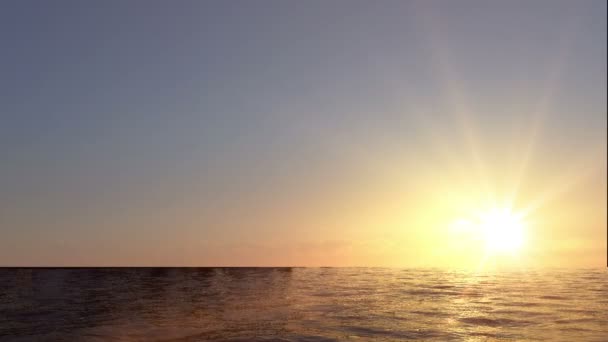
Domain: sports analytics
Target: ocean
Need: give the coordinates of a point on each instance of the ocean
(301, 304)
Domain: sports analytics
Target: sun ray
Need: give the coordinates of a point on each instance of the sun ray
(458, 101)
(541, 113)
(565, 183)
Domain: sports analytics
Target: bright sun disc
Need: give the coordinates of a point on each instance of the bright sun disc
(503, 230)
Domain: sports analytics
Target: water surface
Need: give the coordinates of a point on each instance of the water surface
(301, 304)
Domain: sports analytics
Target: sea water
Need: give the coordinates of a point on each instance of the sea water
(301, 304)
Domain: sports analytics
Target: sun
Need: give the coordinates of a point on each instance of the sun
(491, 234)
(503, 230)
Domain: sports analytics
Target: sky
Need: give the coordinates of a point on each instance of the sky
(300, 133)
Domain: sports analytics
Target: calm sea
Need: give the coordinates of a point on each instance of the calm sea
(301, 304)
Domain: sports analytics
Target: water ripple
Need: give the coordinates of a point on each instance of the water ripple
(300, 304)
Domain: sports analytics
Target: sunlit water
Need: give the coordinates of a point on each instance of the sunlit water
(301, 304)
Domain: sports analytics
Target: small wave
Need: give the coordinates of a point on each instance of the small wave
(422, 292)
(522, 304)
(553, 297)
(579, 311)
(431, 313)
(520, 313)
(490, 322)
(575, 320)
(392, 334)
(491, 335)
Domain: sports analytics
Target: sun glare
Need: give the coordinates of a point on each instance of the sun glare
(503, 230)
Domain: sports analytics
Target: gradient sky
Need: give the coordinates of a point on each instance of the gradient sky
(299, 132)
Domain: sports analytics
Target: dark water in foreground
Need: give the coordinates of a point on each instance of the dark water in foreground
(301, 304)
